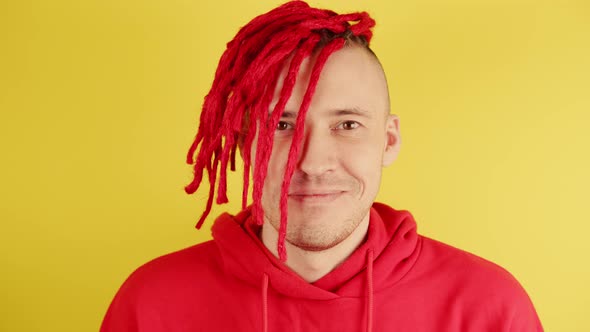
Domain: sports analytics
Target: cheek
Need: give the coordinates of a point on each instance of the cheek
(277, 162)
(364, 163)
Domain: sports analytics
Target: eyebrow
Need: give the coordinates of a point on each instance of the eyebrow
(334, 112)
(351, 111)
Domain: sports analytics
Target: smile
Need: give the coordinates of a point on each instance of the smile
(316, 197)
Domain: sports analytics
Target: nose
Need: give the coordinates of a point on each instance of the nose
(317, 155)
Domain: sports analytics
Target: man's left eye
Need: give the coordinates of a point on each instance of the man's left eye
(348, 125)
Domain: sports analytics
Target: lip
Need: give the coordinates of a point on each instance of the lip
(316, 197)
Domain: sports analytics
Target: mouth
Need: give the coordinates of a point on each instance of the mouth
(316, 197)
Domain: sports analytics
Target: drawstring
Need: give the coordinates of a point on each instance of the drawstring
(370, 290)
(265, 303)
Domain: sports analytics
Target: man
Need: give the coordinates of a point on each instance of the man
(305, 100)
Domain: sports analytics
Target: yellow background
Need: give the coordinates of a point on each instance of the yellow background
(99, 102)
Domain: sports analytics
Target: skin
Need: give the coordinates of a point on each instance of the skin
(349, 136)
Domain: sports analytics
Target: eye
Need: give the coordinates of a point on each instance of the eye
(348, 125)
(283, 125)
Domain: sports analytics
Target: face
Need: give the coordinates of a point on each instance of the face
(348, 137)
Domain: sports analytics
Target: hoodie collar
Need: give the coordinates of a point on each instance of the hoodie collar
(391, 237)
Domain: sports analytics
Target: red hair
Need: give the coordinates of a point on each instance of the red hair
(243, 89)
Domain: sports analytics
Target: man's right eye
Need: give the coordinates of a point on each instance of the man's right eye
(283, 125)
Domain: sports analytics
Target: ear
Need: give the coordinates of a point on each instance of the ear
(393, 140)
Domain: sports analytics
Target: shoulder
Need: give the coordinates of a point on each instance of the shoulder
(475, 284)
(182, 260)
(188, 263)
(164, 290)
(171, 275)
(464, 266)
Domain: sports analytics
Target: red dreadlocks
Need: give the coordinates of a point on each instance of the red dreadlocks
(243, 89)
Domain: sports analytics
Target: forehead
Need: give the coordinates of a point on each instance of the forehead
(351, 78)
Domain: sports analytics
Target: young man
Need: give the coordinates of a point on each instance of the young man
(305, 100)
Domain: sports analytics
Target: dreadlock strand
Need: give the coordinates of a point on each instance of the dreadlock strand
(203, 158)
(247, 156)
(254, 113)
(193, 148)
(265, 141)
(298, 137)
(232, 165)
(364, 25)
(211, 173)
(260, 123)
(225, 155)
(285, 15)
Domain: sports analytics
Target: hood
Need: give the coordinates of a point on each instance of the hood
(390, 250)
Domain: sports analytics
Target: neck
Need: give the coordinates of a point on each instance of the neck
(313, 265)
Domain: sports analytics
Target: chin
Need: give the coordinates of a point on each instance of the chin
(315, 245)
(319, 233)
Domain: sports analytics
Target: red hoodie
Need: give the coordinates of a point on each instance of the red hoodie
(396, 281)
